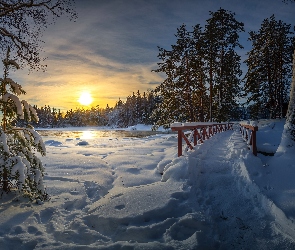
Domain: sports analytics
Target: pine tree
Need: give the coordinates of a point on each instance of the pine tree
(151, 99)
(117, 116)
(221, 37)
(106, 115)
(183, 68)
(269, 68)
(20, 168)
(200, 98)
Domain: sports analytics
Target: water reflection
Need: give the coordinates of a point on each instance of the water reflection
(92, 134)
(87, 135)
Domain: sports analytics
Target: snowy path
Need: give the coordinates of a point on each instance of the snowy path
(241, 215)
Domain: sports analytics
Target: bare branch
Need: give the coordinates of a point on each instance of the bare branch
(22, 23)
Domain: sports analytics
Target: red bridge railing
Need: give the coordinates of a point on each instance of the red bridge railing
(248, 131)
(200, 131)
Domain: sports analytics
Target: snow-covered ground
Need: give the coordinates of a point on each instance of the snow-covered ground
(118, 192)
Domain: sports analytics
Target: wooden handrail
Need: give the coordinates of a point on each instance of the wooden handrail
(201, 131)
(252, 140)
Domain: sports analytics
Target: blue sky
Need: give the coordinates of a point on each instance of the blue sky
(111, 48)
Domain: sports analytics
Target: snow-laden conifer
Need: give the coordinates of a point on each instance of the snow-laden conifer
(20, 167)
(269, 62)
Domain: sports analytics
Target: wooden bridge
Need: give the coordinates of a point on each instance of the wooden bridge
(201, 131)
(248, 130)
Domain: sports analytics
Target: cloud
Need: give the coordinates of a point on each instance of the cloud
(112, 47)
(76, 69)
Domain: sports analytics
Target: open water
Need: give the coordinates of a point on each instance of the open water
(89, 134)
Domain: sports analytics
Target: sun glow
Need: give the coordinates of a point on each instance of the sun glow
(85, 99)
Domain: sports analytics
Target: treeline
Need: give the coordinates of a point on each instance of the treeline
(204, 77)
(136, 109)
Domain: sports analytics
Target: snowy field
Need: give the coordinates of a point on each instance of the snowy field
(116, 192)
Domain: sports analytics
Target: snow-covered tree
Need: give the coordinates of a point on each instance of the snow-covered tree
(201, 62)
(182, 92)
(221, 37)
(269, 68)
(20, 167)
(21, 26)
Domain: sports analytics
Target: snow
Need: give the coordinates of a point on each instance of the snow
(17, 103)
(119, 192)
(251, 123)
(179, 124)
(15, 86)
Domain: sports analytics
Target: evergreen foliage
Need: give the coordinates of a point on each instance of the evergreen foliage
(202, 73)
(22, 23)
(183, 92)
(269, 69)
(221, 38)
(20, 167)
(136, 109)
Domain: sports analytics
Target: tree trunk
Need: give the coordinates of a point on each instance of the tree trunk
(5, 181)
(291, 108)
(211, 89)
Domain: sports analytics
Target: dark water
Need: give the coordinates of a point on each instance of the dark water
(97, 134)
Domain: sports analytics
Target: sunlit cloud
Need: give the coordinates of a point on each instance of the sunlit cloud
(77, 71)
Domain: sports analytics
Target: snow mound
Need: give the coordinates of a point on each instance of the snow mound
(53, 143)
(82, 143)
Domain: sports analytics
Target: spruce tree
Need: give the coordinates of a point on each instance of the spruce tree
(22, 23)
(221, 37)
(20, 168)
(269, 64)
(183, 89)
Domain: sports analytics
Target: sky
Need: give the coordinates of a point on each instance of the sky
(111, 49)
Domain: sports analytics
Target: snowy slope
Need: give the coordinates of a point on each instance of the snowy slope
(116, 192)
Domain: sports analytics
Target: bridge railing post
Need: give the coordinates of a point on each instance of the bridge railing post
(200, 132)
(179, 143)
(251, 139)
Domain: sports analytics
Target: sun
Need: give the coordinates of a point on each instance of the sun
(85, 99)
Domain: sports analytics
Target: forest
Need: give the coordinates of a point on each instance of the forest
(137, 109)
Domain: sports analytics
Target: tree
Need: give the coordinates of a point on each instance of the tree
(22, 23)
(183, 89)
(221, 37)
(197, 58)
(288, 136)
(20, 168)
(269, 68)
